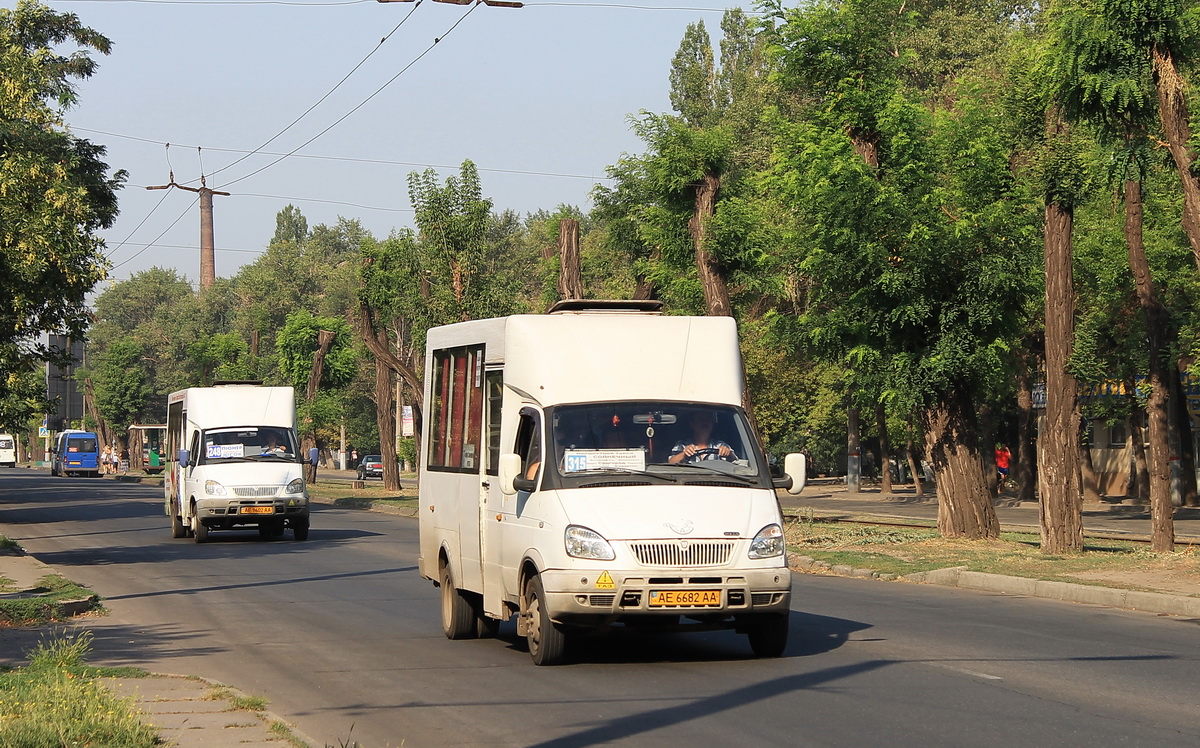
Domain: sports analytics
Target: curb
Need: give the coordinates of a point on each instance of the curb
(959, 576)
(267, 716)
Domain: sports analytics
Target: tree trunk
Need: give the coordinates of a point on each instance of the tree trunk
(885, 451)
(1137, 447)
(570, 274)
(712, 275)
(1162, 513)
(385, 406)
(1023, 471)
(1061, 499)
(324, 341)
(1173, 113)
(853, 452)
(952, 446)
(915, 469)
(1183, 428)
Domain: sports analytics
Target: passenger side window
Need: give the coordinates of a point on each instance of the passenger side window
(529, 442)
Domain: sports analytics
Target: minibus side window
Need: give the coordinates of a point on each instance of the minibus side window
(458, 394)
(494, 382)
(529, 443)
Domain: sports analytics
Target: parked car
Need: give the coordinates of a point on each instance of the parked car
(371, 466)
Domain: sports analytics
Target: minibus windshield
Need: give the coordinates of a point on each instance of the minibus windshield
(681, 442)
(247, 443)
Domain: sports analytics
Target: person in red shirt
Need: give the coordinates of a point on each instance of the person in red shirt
(1003, 460)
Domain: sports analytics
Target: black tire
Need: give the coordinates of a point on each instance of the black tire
(300, 529)
(768, 636)
(458, 617)
(362, 475)
(199, 530)
(178, 529)
(547, 641)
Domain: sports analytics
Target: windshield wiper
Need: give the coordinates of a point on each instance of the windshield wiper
(621, 471)
(722, 473)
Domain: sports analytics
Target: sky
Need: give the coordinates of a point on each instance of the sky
(538, 97)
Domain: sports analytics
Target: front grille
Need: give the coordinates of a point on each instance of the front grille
(678, 553)
(603, 601)
(254, 491)
(764, 598)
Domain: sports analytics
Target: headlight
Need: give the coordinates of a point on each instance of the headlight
(767, 543)
(296, 486)
(584, 543)
(212, 488)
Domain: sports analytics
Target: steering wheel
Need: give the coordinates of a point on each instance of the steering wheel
(699, 453)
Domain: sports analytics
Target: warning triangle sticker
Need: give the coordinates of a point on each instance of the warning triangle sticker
(605, 582)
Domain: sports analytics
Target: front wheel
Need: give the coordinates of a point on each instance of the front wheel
(300, 529)
(199, 530)
(547, 642)
(768, 637)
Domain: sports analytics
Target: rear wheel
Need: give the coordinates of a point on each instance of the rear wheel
(547, 642)
(768, 636)
(199, 530)
(458, 617)
(178, 529)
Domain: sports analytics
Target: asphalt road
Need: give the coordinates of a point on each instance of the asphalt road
(342, 637)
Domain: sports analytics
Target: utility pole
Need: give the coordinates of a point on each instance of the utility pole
(208, 263)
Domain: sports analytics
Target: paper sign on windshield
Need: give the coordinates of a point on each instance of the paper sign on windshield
(577, 460)
(219, 451)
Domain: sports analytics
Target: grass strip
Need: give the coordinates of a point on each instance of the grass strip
(56, 598)
(907, 550)
(58, 700)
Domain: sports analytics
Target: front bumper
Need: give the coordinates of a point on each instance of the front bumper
(587, 594)
(231, 511)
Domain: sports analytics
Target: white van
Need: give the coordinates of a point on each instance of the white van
(234, 461)
(8, 451)
(593, 467)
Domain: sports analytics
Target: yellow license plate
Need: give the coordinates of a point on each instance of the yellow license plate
(258, 510)
(685, 598)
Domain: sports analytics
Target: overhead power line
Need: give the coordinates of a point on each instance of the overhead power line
(377, 91)
(352, 159)
(329, 93)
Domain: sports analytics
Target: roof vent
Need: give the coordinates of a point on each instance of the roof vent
(228, 382)
(593, 306)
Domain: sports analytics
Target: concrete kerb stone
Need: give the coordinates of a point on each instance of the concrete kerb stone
(193, 710)
(959, 576)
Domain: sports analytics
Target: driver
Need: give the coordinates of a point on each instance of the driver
(701, 446)
(272, 446)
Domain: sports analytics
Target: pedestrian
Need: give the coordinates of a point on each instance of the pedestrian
(105, 460)
(1003, 460)
(124, 461)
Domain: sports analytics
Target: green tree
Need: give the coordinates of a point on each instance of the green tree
(887, 194)
(123, 385)
(57, 193)
(1101, 75)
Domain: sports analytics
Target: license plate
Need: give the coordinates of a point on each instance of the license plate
(685, 598)
(258, 510)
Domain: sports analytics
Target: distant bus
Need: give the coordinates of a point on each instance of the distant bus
(76, 453)
(8, 451)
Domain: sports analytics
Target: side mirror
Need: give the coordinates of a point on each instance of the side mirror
(795, 467)
(314, 456)
(510, 472)
(184, 458)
